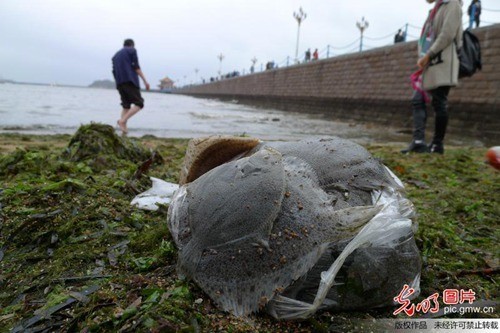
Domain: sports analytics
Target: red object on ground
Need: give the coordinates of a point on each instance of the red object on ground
(493, 157)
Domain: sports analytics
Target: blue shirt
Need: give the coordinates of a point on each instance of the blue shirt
(125, 62)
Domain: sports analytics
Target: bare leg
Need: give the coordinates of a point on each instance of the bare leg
(124, 111)
(123, 126)
(133, 110)
(126, 116)
(121, 123)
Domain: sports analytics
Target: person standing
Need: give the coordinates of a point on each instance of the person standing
(315, 55)
(308, 55)
(474, 12)
(126, 71)
(399, 37)
(438, 71)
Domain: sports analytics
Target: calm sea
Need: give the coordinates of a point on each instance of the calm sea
(34, 109)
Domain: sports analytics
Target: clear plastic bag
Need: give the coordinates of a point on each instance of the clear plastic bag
(343, 238)
(391, 230)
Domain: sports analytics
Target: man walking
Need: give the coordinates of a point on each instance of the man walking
(126, 71)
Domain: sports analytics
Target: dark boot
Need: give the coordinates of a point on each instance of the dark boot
(436, 145)
(440, 104)
(436, 148)
(419, 120)
(416, 146)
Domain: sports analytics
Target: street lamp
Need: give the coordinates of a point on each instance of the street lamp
(220, 57)
(253, 60)
(300, 16)
(362, 26)
(196, 70)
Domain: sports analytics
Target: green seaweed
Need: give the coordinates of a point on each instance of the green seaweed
(66, 223)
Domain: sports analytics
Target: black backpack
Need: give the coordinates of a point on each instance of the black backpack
(469, 55)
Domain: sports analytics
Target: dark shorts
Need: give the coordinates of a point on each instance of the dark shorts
(130, 94)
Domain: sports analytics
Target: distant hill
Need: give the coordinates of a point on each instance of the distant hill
(106, 84)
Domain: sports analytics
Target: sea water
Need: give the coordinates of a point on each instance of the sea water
(38, 109)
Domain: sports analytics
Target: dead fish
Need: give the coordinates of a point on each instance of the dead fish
(204, 154)
(248, 228)
(344, 169)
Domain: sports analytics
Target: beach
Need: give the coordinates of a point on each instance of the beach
(68, 234)
(68, 231)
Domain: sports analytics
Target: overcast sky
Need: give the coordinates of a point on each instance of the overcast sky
(72, 41)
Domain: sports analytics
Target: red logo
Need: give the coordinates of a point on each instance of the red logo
(431, 303)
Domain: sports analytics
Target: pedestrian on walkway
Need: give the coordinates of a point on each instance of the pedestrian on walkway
(399, 37)
(474, 12)
(308, 55)
(315, 55)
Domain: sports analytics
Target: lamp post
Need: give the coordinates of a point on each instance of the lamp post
(300, 16)
(196, 70)
(253, 60)
(220, 57)
(362, 26)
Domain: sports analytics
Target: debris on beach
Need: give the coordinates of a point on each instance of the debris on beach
(258, 230)
(68, 224)
(160, 193)
(100, 146)
(76, 256)
(493, 157)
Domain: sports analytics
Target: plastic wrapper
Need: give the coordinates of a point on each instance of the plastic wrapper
(161, 192)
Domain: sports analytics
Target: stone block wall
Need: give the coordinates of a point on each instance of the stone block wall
(371, 86)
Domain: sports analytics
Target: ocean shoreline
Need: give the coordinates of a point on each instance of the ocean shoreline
(362, 134)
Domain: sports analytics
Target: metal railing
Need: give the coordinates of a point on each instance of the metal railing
(411, 33)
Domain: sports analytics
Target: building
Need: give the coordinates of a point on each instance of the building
(166, 84)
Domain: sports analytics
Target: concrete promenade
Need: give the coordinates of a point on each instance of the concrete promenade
(371, 87)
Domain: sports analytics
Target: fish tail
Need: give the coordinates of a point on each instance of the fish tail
(351, 220)
(189, 259)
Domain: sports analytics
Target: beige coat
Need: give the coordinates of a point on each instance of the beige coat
(444, 65)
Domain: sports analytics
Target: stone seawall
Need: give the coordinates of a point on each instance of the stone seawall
(371, 86)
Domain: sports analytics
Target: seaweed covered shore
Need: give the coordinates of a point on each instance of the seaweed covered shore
(75, 256)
